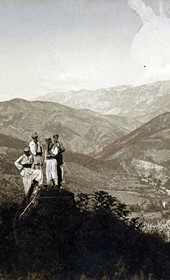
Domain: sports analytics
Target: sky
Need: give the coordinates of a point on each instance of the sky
(49, 46)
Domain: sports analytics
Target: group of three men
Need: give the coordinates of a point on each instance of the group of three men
(31, 162)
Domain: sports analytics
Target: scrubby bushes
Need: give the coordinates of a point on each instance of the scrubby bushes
(90, 237)
(161, 227)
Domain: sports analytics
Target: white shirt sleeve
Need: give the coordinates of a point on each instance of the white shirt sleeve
(54, 150)
(32, 146)
(18, 163)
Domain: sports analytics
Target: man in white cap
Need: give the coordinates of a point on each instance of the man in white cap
(25, 163)
(51, 163)
(36, 151)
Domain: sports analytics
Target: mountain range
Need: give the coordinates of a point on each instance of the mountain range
(134, 168)
(142, 103)
(82, 131)
(123, 154)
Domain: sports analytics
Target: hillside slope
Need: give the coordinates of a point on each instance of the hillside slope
(157, 127)
(81, 130)
(144, 155)
(84, 174)
(90, 237)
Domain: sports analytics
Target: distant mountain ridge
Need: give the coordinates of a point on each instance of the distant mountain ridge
(141, 102)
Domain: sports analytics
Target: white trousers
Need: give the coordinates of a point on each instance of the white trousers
(51, 171)
(39, 167)
(62, 171)
(29, 175)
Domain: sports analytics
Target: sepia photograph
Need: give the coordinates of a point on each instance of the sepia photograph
(84, 139)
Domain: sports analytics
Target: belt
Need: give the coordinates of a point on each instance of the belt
(39, 154)
(27, 165)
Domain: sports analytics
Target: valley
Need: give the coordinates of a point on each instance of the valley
(128, 159)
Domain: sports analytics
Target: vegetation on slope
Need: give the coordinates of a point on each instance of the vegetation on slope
(87, 237)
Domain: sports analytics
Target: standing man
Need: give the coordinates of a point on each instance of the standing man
(25, 163)
(36, 151)
(59, 158)
(51, 164)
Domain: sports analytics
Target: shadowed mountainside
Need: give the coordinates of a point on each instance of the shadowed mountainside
(11, 142)
(144, 155)
(156, 132)
(10, 149)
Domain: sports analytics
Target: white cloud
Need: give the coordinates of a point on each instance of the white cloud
(64, 81)
(154, 74)
(70, 78)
